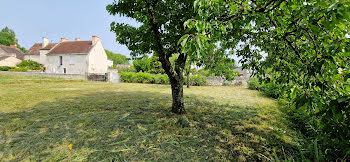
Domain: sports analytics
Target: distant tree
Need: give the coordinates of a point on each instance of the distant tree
(155, 66)
(142, 64)
(8, 37)
(117, 58)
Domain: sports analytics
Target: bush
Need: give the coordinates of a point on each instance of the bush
(142, 64)
(20, 69)
(271, 89)
(6, 68)
(142, 77)
(31, 65)
(196, 80)
(253, 83)
(161, 79)
(126, 77)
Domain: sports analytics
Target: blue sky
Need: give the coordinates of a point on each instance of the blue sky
(33, 19)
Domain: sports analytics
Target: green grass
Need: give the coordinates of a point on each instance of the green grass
(133, 122)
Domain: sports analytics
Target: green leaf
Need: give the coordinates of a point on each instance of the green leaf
(183, 40)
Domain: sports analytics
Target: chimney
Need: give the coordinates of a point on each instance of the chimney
(77, 39)
(45, 42)
(64, 40)
(13, 46)
(95, 39)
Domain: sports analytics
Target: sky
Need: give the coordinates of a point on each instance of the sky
(34, 19)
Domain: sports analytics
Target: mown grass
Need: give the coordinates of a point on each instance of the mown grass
(133, 122)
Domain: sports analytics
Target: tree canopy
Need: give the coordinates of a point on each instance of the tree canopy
(117, 58)
(8, 37)
(304, 44)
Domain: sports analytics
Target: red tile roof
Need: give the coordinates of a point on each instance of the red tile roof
(35, 49)
(8, 51)
(49, 46)
(70, 47)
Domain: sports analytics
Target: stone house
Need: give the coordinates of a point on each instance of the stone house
(10, 56)
(70, 57)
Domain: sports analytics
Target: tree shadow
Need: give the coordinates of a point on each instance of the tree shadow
(136, 126)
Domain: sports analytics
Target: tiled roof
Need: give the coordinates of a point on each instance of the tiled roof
(70, 47)
(10, 51)
(49, 46)
(35, 49)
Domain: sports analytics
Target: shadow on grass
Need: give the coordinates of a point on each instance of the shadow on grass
(136, 126)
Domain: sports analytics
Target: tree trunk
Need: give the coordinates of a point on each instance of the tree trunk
(188, 80)
(178, 106)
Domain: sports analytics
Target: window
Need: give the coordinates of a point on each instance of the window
(64, 70)
(72, 60)
(61, 60)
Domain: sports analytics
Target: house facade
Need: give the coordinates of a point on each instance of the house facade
(70, 57)
(10, 56)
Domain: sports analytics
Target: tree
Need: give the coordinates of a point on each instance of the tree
(304, 44)
(142, 64)
(117, 58)
(8, 37)
(155, 66)
(162, 27)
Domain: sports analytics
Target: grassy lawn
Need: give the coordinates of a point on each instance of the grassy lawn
(133, 122)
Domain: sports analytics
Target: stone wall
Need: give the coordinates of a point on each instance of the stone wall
(217, 81)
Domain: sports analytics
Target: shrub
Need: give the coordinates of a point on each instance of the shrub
(271, 89)
(253, 83)
(126, 77)
(20, 69)
(196, 80)
(161, 79)
(31, 65)
(142, 77)
(142, 64)
(6, 68)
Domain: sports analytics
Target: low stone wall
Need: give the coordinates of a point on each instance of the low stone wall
(36, 73)
(238, 81)
(89, 77)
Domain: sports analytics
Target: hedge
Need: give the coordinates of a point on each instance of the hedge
(6, 68)
(142, 77)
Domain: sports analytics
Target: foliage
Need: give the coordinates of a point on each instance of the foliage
(117, 58)
(20, 69)
(253, 83)
(142, 64)
(8, 37)
(161, 79)
(126, 77)
(155, 66)
(305, 45)
(162, 30)
(30, 65)
(196, 80)
(150, 65)
(142, 77)
(6, 68)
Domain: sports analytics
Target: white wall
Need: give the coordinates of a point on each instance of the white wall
(98, 59)
(10, 61)
(43, 56)
(79, 66)
(35, 58)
